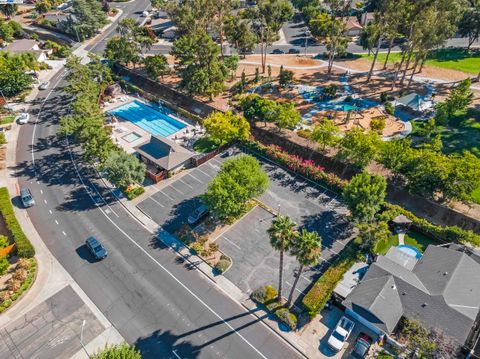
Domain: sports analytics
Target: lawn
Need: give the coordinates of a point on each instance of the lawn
(476, 195)
(7, 119)
(205, 145)
(452, 58)
(412, 238)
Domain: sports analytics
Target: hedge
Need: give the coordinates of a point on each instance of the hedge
(24, 247)
(25, 285)
(318, 295)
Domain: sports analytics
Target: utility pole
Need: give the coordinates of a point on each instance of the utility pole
(81, 338)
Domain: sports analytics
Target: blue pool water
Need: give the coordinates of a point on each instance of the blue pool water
(152, 119)
(414, 252)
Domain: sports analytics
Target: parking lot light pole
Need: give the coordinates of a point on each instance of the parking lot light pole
(81, 338)
(306, 35)
(278, 210)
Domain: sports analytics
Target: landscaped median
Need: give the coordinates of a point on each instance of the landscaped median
(16, 273)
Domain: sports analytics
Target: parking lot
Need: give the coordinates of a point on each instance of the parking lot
(255, 263)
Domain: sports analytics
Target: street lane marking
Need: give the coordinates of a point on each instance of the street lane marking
(173, 199)
(206, 174)
(50, 211)
(56, 222)
(174, 353)
(172, 187)
(41, 191)
(63, 232)
(195, 178)
(165, 269)
(45, 201)
(185, 183)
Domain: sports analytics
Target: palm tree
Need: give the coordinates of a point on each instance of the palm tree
(281, 235)
(306, 247)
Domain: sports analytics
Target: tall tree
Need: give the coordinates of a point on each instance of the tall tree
(364, 195)
(460, 97)
(156, 66)
(197, 63)
(306, 247)
(8, 9)
(123, 169)
(325, 133)
(87, 17)
(239, 33)
(469, 25)
(281, 233)
(359, 148)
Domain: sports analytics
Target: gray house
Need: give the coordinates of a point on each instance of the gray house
(441, 290)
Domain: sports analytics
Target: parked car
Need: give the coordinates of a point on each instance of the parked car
(362, 346)
(94, 246)
(44, 85)
(145, 13)
(293, 51)
(340, 334)
(200, 212)
(26, 197)
(23, 118)
(278, 51)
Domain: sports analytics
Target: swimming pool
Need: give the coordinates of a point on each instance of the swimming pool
(152, 119)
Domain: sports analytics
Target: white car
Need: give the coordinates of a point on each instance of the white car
(44, 85)
(340, 334)
(23, 118)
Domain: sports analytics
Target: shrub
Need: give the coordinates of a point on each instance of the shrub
(23, 263)
(318, 295)
(4, 242)
(24, 247)
(135, 192)
(3, 140)
(378, 124)
(4, 265)
(4, 296)
(264, 295)
(222, 265)
(198, 247)
(383, 97)
(389, 108)
(305, 133)
(13, 285)
(273, 306)
(287, 318)
(20, 274)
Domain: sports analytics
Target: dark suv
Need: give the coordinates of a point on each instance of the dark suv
(94, 246)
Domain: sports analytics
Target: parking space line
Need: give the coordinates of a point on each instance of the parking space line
(185, 183)
(195, 178)
(177, 190)
(166, 195)
(290, 285)
(229, 241)
(205, 173)
(154, 200)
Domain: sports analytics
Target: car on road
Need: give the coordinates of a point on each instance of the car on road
(340, 334)
(293, 51)
(94, 246)
(23, 118)
(44, 85)
(278, 52)
(26, 197)
(362, 346)
(199, 212)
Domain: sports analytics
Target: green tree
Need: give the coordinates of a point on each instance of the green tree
(256, 108)
(364, 195)
(239, 180)
(231, 64)
(469, 25)
(325, 133)
(238, 32)
(463, 177)
(395, 154)
(8, 9)
(331, 31)
(4, 264)
(43, 6)
(158, 4)
(13, 79)
(121, 50)
(198, 64)
(225, 127)
(287, 116)
(359, 148)
(306, 247)
(89, 18)
(156, 66)
(3, 140)
(119, 351)
(460, 97)
(371, 234)
(123, 169)
(281, 233)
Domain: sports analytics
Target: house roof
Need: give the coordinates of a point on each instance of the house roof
(401, 219)
(352, 23)
(441, 291)
(164, 152)
(351, 279)
(22, 45)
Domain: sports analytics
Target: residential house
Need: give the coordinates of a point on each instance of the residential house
(162, 155)
(441, 290)
(367, 18)
(26, 45)
(352, 26)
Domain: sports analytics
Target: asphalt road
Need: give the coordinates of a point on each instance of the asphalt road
(150, 295)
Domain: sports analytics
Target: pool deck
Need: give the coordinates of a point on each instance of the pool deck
(122, 128)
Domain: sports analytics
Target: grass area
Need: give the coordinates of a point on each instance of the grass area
(454, 58)
(7, 119)
(205, 145)
(382, 247)
(461, 134)
(412, 238)
(476, 195)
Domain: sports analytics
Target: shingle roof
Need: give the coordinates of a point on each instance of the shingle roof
(21, 45)
(164, 152)
(442, 291)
